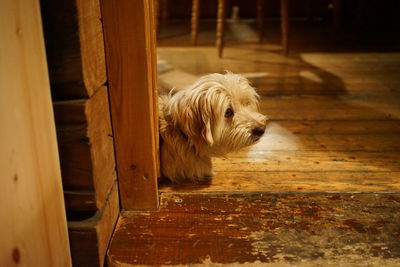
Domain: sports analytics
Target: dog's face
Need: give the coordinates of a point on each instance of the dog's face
(219, 113)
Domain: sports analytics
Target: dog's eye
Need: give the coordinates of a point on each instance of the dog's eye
(228, 113)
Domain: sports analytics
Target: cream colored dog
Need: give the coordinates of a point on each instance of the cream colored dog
(215, 115)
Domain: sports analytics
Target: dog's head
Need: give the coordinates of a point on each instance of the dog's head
(218, 113)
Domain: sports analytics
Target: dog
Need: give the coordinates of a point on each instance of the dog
(217, 114)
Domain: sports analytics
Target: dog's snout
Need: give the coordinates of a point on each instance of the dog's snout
(259, 131)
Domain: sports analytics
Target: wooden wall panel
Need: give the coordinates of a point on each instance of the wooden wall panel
(86, 146)
(33, 224)
(90, 238)
(130, 48)
(75, 47)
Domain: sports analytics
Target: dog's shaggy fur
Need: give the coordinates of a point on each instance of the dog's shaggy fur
(216, 115)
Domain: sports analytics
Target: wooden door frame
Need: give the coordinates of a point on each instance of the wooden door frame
(130, 43)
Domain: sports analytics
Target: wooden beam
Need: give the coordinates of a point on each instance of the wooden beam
(130, 50)
(33, 224)
(90, 237)
(75, 47)
(86, 146)
(76, 58)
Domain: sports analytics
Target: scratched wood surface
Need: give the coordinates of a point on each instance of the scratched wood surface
(255, 228)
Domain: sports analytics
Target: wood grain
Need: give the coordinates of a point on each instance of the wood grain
(259, 229)
(33, 223)
(86, 146)
(90, 237)
(130, 39)
(342, 127)
(293, 181)
(311, 161)
(75, 47)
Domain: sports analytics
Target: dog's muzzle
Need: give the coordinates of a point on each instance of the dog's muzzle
(259, 131)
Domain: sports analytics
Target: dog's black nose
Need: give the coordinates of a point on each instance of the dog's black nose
(259, 131)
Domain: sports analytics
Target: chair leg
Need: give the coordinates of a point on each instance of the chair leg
(220, 27)
(195, 21)
(285, 25)
(260, 20)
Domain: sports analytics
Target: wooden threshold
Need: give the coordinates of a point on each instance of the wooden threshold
(261, 229)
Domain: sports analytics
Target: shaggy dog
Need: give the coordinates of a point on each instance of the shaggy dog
(216, 115)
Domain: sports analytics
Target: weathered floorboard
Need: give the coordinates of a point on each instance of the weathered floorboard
(293, 181)
(259, 228)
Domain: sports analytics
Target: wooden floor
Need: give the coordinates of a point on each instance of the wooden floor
(321, 187)
(335, 116)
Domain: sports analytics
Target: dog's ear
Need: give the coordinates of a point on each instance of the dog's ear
(206, 131)
(199, 122)
(190, 115)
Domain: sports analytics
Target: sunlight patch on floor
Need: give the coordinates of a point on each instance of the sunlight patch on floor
(276, 138)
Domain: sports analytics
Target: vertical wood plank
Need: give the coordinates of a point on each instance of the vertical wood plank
(151, 27)
(130, 50)
(33, 224)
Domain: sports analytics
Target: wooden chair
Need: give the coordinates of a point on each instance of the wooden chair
(220, 32)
